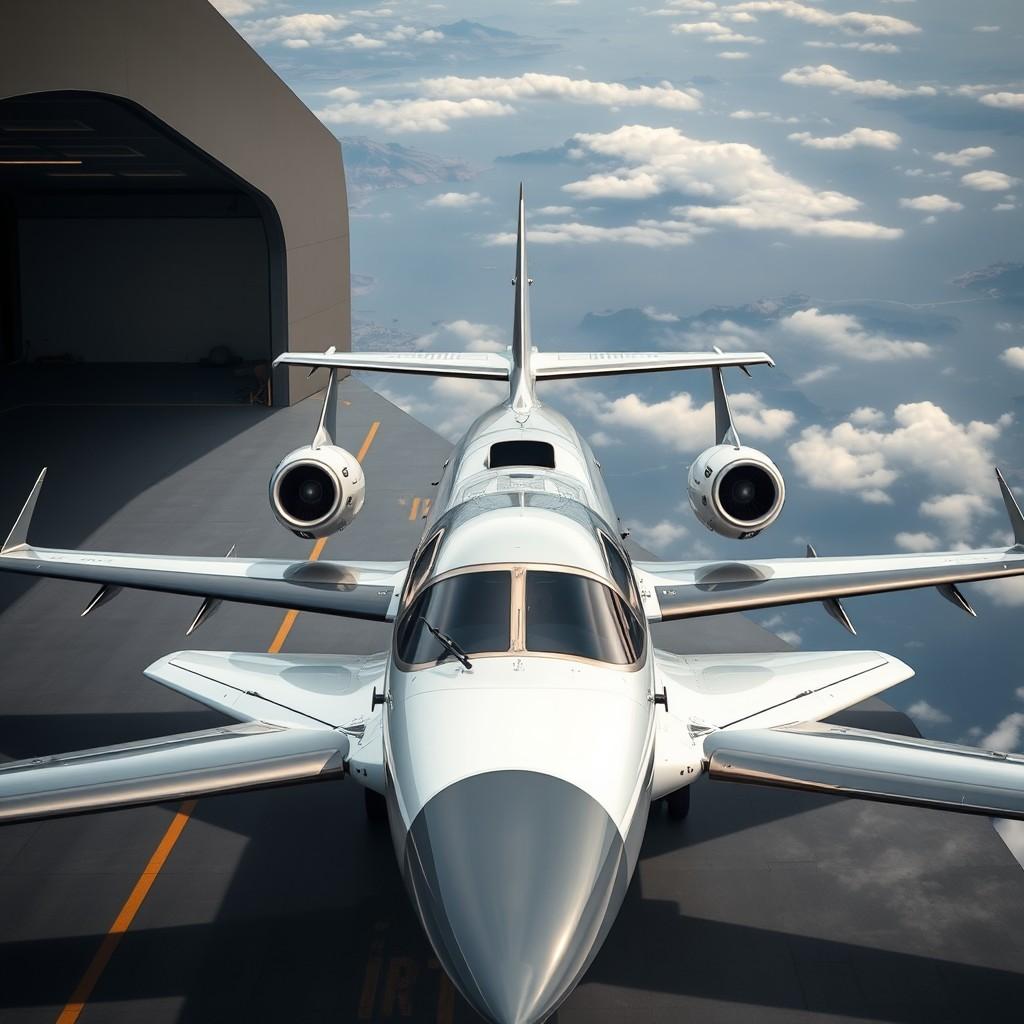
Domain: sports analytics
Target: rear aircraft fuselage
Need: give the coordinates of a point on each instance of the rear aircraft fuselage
(518, 789)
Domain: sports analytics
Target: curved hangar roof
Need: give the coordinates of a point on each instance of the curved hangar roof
(219, 113)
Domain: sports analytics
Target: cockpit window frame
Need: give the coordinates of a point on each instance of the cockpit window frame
(414, 581)
(629, 591)
(519, 572)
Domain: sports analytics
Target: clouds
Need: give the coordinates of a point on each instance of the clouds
(558, 87)
(921, 541)
(873, 138)
(740, 183)
(659, 537)
(1004, 100)
(1007, 734)
(683, 425)
(458, 200)
(825, 76)
(305, 29)
(955, 513)
(925, 713)
(413, 115)
(451, 98)
(843, 334)
(989, 181)
(1014, 357)
(931, 204)
(853, 45)
(714, 32)
(850, 21)
(865, 461)
(965, 157)
(650, 234)
(463, 335)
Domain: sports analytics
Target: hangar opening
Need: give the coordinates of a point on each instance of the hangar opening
(131, 261)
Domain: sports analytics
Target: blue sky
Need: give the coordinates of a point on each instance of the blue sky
(839, 183)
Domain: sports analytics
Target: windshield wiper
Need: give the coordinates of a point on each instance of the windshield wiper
(448, 644)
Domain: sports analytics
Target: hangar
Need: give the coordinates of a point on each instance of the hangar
(166, 204)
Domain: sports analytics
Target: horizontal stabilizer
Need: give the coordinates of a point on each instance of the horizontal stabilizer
(562, 365)
(239, 757)
(307, 690)
(542, 365)
(871, 765)
(778, 688)
(482, 365)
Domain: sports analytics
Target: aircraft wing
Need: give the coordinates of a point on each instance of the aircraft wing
(361, 590)
(250, 756)
(676, 590)
(874, 766)
(304, 718)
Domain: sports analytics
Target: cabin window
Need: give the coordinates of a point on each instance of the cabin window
(522, 453)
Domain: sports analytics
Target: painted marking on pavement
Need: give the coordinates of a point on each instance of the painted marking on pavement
(84, 989)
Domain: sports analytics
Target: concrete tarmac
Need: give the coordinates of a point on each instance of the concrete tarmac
(287, 905)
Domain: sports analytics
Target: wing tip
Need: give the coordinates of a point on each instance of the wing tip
(18, 537)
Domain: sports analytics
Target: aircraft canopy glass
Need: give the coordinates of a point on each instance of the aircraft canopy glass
(474, 608)
(539, 611)
(576, 615)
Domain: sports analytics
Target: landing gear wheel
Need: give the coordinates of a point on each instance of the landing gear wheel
(376, 805)
(678, 804)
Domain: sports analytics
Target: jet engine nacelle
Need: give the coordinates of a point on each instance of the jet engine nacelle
(315, 492)
(735, 491)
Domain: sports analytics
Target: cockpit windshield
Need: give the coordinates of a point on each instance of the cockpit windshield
(474, 609)
(541, 611)
(576, 615)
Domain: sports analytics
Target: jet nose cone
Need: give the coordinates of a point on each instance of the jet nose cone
(517, 877)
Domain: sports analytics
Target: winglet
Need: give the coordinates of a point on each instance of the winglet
(1013, 510)
(18, 537)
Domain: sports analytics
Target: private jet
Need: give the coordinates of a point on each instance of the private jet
(521, 722)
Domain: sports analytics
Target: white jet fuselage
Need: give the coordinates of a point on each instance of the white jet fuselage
(518, 790)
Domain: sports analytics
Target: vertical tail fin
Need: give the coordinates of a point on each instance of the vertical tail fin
(522, 381)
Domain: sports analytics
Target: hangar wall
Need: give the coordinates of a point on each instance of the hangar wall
(183, 63)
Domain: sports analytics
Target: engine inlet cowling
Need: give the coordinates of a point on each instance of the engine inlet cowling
(735, 491)
(315, 492)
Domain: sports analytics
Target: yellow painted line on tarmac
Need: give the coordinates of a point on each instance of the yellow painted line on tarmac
(84, 989)
(419, 509)
(123, 921)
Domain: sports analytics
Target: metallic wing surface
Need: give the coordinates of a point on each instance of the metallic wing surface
(251, 756)
(839, 761)
(303, 718)
(677, 590)
(359, 590)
